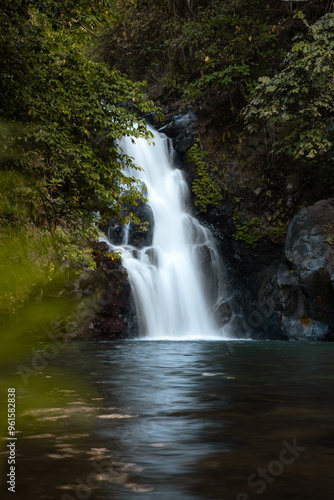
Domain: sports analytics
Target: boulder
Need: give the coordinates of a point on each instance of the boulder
(137, 237)
(182, 128)
(305, 280)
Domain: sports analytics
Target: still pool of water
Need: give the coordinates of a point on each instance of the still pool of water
(191, 420)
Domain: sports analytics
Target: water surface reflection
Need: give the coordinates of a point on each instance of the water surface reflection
(185, 421)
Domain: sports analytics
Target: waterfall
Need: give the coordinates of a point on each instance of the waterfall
(176, 280)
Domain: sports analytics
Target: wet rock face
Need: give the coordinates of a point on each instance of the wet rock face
(284, 293)
(101, 301)
(115, 315)
(107, 314)
(136, 237)
(139, 238)
(224, 313)
(305, 281)
(182, 128)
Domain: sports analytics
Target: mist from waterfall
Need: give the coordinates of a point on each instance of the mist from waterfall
(176, 282)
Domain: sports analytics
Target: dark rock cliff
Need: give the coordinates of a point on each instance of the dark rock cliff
(282, 291)
(304, 282)
(275, 291)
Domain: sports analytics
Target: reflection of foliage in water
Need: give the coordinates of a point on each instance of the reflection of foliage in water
(61, 115)
(30, 305)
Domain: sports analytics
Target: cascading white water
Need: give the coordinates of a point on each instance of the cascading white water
(175, 282)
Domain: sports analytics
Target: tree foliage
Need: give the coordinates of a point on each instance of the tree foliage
(62, 113)
(221, 49)
(61, 117)
(298, 102)
(207, 192)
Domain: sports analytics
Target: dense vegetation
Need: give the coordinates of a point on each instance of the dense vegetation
(259, 74)
(60, 117)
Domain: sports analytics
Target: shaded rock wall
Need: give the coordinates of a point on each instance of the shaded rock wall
(305, 280)
(273, 292)
(103, 301)
(282, 292)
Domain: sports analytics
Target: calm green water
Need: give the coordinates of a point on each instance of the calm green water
(180, 421)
